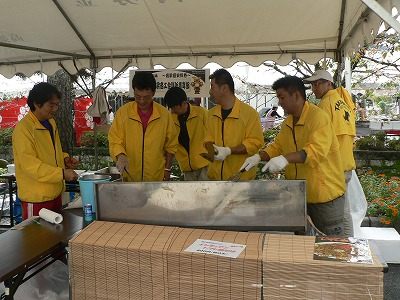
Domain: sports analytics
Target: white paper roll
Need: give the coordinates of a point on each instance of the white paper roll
(50, 216)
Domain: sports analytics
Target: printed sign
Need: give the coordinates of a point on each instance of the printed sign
(216, 248)
(194, 82)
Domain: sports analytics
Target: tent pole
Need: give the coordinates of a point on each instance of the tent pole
(347, 74)
(94, 65)
(383, 13)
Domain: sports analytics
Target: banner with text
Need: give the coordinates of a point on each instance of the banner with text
(194, 82)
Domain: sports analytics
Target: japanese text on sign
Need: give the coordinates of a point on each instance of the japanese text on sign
(216, 248)
(194, 82)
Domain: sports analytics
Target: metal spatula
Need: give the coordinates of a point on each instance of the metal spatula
(210, 152)
(236, 176)
(128, 174)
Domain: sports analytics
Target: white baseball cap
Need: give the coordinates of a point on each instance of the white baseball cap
(320, 74)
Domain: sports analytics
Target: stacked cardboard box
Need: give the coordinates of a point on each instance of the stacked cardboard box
(119, 261)
(291, 272)
(130, 261)
(204, 276)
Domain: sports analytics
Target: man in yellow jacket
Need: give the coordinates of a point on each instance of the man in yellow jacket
(233, 128)
(190, 123)
(308, 149)
(41, 166)
(340, 109)
(142, 137)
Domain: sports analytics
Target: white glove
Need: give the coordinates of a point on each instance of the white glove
(221, 152)
(275, 164)
(251, 162)
(122, 163)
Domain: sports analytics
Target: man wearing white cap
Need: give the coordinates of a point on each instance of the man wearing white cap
(340, 110)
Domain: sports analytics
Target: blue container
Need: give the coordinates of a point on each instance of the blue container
(86, 186)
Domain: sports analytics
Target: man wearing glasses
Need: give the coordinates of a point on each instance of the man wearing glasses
(344, 124)
(142, 136)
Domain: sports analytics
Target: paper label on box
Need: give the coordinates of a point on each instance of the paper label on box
(216, 248)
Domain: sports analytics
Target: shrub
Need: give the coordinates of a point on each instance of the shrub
(87, 139)
(6, 136)
(379, 141)
(371, 142)
(394, 145)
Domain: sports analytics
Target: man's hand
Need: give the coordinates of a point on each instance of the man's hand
(276, 164)
(70, 175)
(70, 162)
(251, 162)
(221, 152)
(122, 163)
(167, 175)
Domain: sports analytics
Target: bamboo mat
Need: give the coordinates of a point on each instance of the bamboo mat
(131, 261)
(204, 276)
(290, 272)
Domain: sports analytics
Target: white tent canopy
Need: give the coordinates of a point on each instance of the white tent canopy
(45, 35)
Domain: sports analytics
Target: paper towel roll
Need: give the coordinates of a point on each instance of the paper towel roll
(50, 216)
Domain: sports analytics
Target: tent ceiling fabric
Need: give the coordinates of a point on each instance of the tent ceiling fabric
(38, 35)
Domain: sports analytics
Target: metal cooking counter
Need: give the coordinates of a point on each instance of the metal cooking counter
(257, 205)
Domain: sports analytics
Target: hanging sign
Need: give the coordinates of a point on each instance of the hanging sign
(194, 82)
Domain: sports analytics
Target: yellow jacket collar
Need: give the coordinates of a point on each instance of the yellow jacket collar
(135, 115)
(192, 114)
(235, 110)
(37, 123)
(303, 115)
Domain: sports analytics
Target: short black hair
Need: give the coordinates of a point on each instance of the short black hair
(291, 84)
(221, 77)
(143, 80)
(175, 96)
(41, 93)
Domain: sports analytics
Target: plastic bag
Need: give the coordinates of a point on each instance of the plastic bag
(357, 201)
(49, 284)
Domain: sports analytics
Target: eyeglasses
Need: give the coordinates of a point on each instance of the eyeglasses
(318, 83)
(144, 98)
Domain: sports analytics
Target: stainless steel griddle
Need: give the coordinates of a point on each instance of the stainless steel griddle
(231, 205)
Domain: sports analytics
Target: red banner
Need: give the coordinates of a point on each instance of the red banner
(82, 121)
(13, 111)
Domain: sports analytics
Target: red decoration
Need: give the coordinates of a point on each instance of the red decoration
(82, 121)
(13, 111)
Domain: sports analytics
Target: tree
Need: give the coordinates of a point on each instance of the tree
(376, 63)
(64, 116)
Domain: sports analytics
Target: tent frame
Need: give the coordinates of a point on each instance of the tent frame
(372, 6)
